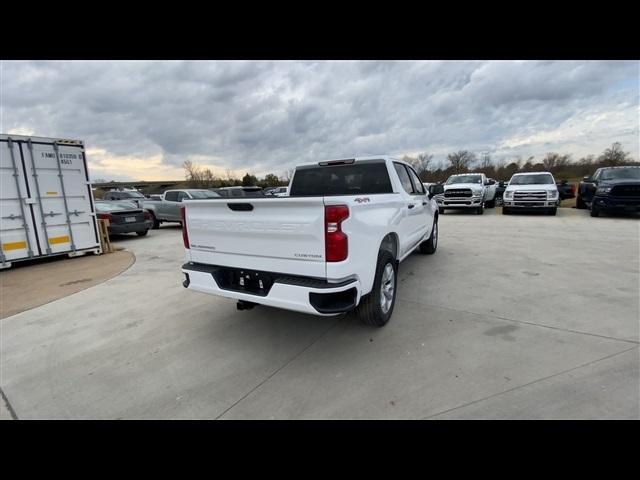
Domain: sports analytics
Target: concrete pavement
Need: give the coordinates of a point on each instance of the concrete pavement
(513, 317)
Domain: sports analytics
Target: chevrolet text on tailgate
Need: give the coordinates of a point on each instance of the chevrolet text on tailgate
(331, 246)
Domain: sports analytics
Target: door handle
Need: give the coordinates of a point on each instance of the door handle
(424, 203)
(411, 205)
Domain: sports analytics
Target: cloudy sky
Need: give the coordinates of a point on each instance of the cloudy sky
(141, 120)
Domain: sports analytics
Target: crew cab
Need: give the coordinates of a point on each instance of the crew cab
(468, 191)
(331, 246)
(167, 209)
(531, 191)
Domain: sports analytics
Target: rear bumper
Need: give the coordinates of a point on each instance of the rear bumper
(300, 294)
(130, 227)
(619, 204)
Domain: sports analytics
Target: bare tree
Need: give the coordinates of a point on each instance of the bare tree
(614, 155)
(461, 160)
(554, 161)
(193, 173)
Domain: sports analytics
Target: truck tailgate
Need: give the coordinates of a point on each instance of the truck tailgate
(283, 235)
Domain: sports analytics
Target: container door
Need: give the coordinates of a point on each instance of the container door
(18, 233)
(63, 203)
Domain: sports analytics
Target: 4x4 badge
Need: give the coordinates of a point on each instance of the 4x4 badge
(362, 200)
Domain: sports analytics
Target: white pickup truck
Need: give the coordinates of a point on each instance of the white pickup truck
(468, 191)
(331, 246)
(531, 191)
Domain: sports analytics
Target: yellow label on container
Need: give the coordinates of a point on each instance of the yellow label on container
(52, 193)
(14, 246)
(63, 239)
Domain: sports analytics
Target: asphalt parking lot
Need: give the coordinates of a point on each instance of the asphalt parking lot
(520, 316)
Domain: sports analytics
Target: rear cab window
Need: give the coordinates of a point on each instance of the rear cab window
(364, 177)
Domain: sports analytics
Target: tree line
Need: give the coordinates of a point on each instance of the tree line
(199, 177)
(562, 166)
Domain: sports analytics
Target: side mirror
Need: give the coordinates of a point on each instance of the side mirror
(435, 190)
(563, 182)
(586, 178)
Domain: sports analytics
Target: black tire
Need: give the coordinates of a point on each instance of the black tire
(580, 203)
(142, 234)
(553, 211)
(430, 245)
(441, 210)
(505, 211)
(595, 211)
(156, 223)
(370, 309)
(480, 210)
(491, 204)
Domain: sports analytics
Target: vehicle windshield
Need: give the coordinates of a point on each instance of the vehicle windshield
(616, 173)
(531, 180)
(115, 206)
(465, 179)
(203, 194)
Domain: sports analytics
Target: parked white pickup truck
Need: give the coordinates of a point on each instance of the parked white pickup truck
(533, 190)
(331, 246)
(468, 191)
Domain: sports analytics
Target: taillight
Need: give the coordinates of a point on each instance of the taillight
(336, 242)
(185, 234)
(105, 216)
(147, 215)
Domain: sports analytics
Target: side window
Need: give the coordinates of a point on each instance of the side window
(418, 187)
(182, 196)
(171, 196)
(404, 178)
(237, 192)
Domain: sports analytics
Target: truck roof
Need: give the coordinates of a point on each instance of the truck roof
(531, 173)
(355, 159)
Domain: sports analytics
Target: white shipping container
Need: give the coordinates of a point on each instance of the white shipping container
(46, 202)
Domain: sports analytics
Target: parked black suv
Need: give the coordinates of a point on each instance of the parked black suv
(611, 189)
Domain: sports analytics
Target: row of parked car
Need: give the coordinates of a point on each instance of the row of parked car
(474, 191)
(608, 190)
(129, 211)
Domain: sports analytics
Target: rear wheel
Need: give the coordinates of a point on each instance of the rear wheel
(156, 223)
(491, 204)
(376, 307)
(480, 209)
(429, 245)
(580, 203)
(143, 233)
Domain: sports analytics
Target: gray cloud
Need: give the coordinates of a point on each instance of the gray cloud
(267, 116)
